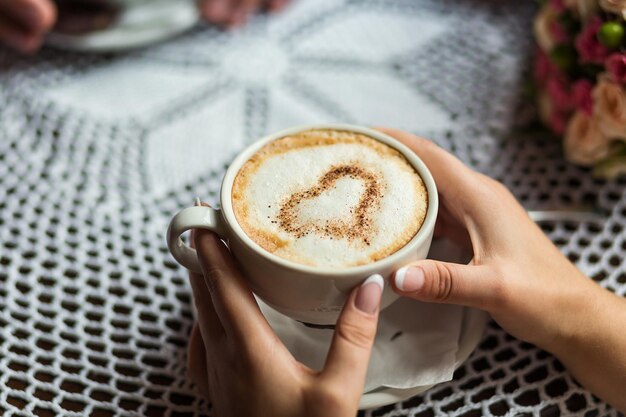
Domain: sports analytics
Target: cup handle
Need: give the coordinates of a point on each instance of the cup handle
(191, 218)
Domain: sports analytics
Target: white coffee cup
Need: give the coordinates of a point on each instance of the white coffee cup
(305, 293)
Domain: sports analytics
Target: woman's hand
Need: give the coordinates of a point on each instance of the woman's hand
(238, 362)
(518, 276)
(236, 12)
(24, 23)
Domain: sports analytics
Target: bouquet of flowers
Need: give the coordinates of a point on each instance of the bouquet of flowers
(580, 75)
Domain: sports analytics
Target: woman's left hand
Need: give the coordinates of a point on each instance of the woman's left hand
(236, 12)
(25, 23)
(243, 368)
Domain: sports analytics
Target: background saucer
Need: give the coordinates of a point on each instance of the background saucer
(142, 23)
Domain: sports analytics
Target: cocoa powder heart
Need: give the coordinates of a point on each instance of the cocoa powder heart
(357, 228)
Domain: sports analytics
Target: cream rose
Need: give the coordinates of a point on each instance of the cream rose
(541, 28)
(609, 108)
(584, 8)
(571, 4)
(585, 144)
(614, 6)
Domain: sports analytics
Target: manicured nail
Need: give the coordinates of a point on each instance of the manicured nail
(197, 202)
(409, 279)
(368, 296)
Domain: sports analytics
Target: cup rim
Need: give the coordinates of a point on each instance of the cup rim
(422, 234)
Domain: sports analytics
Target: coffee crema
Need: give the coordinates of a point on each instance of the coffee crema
(329, 198)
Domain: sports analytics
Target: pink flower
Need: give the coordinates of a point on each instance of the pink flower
(587, 44)
(543, 68)
(558, 5)
(559, 92)
(558, 32)
(616, 65)
(581, 94)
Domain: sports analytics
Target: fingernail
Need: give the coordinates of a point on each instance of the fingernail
(197, 202)
(368, 296)
(409, 279)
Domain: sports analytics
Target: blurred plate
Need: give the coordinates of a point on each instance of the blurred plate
(139, 24)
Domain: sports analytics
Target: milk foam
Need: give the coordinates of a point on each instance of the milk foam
(329, 198)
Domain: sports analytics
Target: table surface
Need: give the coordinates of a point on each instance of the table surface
(98, 151)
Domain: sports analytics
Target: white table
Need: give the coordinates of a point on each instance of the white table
(96, 153)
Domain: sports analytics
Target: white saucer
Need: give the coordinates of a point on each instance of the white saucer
(470, 332)
(141, 24)
(472, 328)
(474, 322)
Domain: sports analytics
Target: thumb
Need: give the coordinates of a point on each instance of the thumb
(442, 282)
(348, 357)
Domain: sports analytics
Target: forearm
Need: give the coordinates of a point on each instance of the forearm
(595, 353)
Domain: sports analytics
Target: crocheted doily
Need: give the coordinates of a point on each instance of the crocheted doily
(98, 151)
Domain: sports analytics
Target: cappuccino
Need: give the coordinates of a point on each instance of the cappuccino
(329, 198)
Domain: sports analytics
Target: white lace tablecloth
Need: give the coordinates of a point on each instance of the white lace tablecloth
(97, 152)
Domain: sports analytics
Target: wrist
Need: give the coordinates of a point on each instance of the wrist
(579, 320)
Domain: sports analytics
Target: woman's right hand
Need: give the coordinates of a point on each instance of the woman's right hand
(517, 274)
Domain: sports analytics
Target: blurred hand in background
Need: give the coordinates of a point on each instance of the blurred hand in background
(25, 23)
(234, 13)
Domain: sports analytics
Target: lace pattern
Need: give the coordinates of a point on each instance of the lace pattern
(97, 152)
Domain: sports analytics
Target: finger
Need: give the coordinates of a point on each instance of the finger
(197, 361)
(479, 204)
(350, 350)
(76, 18)
(275, 5)
(216, 11)
(34, 16)
(242, 12)
(16, 37)
(442, 282)
(448, 227)
(209, 323)
(233, 301)
(455, 181)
